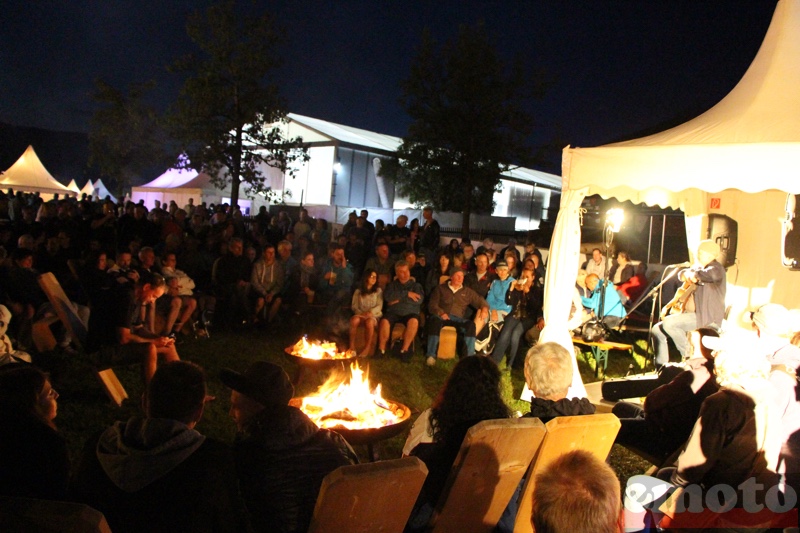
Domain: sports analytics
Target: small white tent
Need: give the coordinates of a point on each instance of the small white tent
(28, 174)
(179, 185)
(88, 189)
(740, 158)
(73, 186)
(101, 191)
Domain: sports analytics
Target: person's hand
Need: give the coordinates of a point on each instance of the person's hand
(414, 296)
(540, 324)
(164, 341)
(494, 315)
(444, 316)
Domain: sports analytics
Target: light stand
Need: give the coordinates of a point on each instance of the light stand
(613, 223)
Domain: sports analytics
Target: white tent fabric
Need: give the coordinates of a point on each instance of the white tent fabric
(739, 158)
(179, 185)
(101, 191)
(73, 186)
(28, 174)
(88, 189)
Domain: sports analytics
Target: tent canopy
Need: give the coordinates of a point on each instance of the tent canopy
(28, 174)
(739, 158)
(101, 191)
(180, 185)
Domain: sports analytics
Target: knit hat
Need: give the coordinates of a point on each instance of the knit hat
(500, 264)
(264, 382)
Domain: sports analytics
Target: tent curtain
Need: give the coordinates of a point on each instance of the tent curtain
(562, 271)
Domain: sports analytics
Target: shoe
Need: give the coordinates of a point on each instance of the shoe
(430, 361)
(407, 355)
(380, 354)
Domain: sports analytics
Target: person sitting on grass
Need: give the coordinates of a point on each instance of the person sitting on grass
(403, 299)
(157, 472)
(117, 331)
(366, 305)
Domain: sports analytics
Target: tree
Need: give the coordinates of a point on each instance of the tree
(229, 116)
(126, 137)
(468, 125)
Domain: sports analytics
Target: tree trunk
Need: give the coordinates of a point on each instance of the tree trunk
(236, 171)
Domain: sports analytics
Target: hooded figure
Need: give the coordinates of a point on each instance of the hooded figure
(158, 473)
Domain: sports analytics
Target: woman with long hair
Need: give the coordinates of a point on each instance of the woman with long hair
(470, 395)
(33, 454)
(366, 305)
(440, 272)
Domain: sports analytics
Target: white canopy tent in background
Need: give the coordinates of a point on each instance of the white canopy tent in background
(29, 175)
(73, 186)
(88, 189)
(744, 154)
(180, 185)
(101, 191)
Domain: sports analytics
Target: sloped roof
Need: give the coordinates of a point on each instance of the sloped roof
(88, 189)
(28, 174)
(349, 134)
(102, 191)
(184, 178)
(528, 175)
(73, 186)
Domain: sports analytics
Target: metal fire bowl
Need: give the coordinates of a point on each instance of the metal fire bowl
(318, 364)
(371, 435)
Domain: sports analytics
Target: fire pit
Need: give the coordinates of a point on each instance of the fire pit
(316, 356)
(346, 405)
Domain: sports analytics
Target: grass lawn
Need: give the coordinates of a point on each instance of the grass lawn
(84, 408)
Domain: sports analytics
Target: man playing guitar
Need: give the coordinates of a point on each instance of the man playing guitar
(704, 307)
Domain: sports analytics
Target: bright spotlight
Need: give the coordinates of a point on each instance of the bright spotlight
(614, 218)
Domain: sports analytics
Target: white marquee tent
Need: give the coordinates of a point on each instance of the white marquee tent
(88, 189)
(73, 186)
(740, 158)
(101, 191)
(180, 185)
(28, 174)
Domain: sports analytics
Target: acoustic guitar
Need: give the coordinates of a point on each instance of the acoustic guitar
(678, 303)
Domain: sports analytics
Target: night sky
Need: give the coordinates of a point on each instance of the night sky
(618, 69)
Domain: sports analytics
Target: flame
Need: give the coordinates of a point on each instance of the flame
(349, 403)
(318, 350)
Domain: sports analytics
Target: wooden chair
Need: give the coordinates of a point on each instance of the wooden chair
(493, 458)
(593, 433)
(368, 497)
(77, 329)
(44, 516)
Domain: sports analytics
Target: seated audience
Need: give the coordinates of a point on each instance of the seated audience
(157, 472)
(266, 283)
(612, 309)
(336, 280)
(669, 413)
(33, 455)
(448, 306)
(439, 273)
(470, 394)
(503, 299)
(403, 299)
(281, 455)
(178, 302)
(366, 306)
(577, 493)
(481, 278)
(382, 264)
(118, 333)
(548, 373)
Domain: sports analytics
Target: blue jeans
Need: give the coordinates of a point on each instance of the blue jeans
(435, 325)
(676, 327)
(509, 336)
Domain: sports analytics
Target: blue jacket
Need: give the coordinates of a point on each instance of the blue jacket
(497, 295)
(613, 305)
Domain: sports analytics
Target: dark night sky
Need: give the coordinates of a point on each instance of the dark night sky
(618, 68)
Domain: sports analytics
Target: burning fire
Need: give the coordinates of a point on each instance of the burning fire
(350, 403)
(318, 350)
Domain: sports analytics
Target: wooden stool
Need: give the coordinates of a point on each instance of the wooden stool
(447, 343)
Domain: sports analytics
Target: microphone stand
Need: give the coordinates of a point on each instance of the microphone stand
(652, 294)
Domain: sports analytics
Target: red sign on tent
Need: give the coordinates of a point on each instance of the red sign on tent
(716, 203)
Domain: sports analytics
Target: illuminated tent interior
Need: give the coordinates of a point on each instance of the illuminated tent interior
(29, 175)
(740, 158)
(180, 185)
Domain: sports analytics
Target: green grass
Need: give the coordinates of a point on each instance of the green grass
(84, 408)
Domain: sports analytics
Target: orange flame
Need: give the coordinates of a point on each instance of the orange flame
(318, 350)
(349, 403)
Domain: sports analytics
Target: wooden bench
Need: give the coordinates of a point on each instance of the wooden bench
(77, 330)
(600, 351)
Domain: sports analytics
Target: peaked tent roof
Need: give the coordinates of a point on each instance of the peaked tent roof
(28, 174)
(88, 189)
(749, 141)
(102, 191)
(73, 186)
(180, 178)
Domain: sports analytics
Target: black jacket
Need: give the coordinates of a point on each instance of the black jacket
(281, 459)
